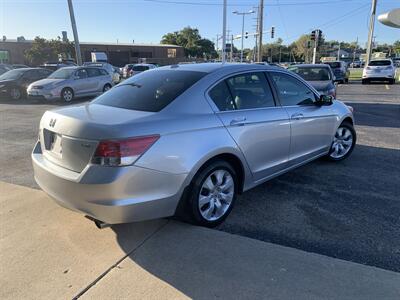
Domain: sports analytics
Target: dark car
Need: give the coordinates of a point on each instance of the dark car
(340, 70)
(15, 82)
(320, 76)
(4, 68)
(19, 66)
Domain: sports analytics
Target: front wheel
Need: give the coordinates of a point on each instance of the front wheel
(15, 93)
(106, 87)
(67, 95)
(212, 194)
(343, 142)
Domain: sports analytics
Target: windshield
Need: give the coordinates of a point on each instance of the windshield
(380, 63)
(62, 74)
(333, 64)
(150, 91)
(312, 74)
(13, 74)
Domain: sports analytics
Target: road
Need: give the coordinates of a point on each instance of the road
(348, 210)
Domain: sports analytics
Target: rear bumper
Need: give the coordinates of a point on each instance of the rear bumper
(110, 194)
(378, 76)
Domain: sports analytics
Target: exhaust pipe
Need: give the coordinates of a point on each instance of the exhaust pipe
(99, 224)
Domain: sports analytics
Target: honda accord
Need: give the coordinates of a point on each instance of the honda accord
(186, 140)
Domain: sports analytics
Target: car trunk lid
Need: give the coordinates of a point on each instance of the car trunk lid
(69, 136)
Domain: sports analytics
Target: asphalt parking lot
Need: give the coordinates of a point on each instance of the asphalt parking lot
(348, 210)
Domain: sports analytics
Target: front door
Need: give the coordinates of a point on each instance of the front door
(312, 126)
(259, 127)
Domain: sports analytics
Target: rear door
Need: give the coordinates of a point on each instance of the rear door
(246, 106)
(312, 126)
(95, 80)
(81, 84)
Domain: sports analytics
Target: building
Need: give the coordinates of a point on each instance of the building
(12, 52)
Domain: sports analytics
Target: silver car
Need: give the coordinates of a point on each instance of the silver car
(71, 82)
(185, 140)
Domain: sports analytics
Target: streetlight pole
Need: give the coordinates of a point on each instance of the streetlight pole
(243, 14)
(75, 32)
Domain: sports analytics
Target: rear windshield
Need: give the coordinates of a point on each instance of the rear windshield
(380, 63)
(333, 64)
(149, 91)
(312, 74)
(140, 68)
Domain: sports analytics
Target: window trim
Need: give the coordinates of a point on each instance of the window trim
(313, 90)
(215, 108)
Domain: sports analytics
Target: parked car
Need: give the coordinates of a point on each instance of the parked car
(340, 71)
(356, 64)
(320, 76)
(134, 69)
(19, 66)
(379, 70)
(53, 66)
(13, 83)
(4, 68)
(71, 82)
(185, 140)
(116, 78)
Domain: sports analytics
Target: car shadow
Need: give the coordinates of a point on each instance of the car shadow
(377, 114)
(347, 210)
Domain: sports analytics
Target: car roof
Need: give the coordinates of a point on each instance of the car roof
(212, 67)
(311, 66)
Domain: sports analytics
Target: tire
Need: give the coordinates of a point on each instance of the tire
(202, 214)
(346, 80)
(106, 87)
(364, 81)
(67, 95)
(341, 148)
(15, 93)
(392, 81)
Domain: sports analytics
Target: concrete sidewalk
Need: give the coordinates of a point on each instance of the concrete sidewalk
(49, 252)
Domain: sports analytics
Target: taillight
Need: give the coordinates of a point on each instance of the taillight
(122, 152)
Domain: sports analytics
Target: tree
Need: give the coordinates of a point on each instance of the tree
(192, 42)
(43, 50)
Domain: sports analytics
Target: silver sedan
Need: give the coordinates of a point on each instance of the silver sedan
(185, 140)
(69, 83)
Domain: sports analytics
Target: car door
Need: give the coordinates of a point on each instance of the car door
(312, 125)
(81, 84)
(95, 80)
(246, 106)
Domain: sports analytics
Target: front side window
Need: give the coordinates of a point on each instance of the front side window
(292, 91)
(150, 91)
(81, 74)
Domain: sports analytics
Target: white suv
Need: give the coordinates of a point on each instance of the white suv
(379, 70)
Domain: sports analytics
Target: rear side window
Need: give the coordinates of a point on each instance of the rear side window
(222, 97)
(140, 68)
(93, 72)
(150, 91)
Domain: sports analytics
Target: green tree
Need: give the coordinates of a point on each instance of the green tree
(192, 42)
(43, 50)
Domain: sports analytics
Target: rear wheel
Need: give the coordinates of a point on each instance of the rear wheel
(392, 81)
(364, 81)
(106, 87)
(15, 93)
(67, 94)
(343, 142)
(212, 194)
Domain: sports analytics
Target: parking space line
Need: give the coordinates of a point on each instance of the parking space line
(387, 87)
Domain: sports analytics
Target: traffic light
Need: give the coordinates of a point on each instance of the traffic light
(246, 35)
(272, 32)
(313, 35)
(319, 36)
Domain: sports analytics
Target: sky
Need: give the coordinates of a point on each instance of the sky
(146, 21)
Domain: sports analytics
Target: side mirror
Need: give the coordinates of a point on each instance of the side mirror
(325, 100)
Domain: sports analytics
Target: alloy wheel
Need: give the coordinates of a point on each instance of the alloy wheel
(216, 195)
(342, 142)
(15, 94)
(67, 95)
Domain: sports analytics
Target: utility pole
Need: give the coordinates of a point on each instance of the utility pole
(75, 31)
(338, 53)
(371, 31)
(260, 29)
(231, 48)
(224, 32)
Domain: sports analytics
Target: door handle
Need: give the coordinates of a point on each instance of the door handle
(297, 116)
(238, 121)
